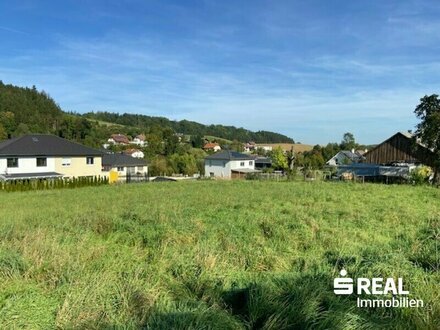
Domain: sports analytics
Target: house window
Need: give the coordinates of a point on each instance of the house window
(41, 162)
(106, 168)
(90, 160)
(120, 168)
(66, 161)
(242, 164)
(211, 174)
(140, 168)
(224, 164)
(12, 162)
(251, 163)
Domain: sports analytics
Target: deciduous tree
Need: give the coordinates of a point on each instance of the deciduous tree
(428, 130)
(279, 159)
(348, 141)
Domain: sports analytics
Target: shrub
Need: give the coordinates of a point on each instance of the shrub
(420, 175)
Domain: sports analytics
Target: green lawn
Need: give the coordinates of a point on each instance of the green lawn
(223, 255)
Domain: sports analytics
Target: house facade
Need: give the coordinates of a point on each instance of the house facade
(229, 164)
(118, 166)
(212, 146)
(118, 139)
(249, 147)
(43, 156)
(139, 140)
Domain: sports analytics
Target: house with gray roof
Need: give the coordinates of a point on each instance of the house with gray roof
(229, 165)
(346, 157)
(122, 165)
(43, 156)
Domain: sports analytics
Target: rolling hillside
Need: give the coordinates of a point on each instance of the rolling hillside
(27, 110)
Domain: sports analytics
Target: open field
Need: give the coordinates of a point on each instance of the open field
(211, 138)
(220, 255)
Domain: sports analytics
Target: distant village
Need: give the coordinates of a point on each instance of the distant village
(122, 159)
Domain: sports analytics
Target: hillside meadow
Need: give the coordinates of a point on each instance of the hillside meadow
(215, 255)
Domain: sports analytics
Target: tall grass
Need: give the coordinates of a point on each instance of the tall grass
(215, 255)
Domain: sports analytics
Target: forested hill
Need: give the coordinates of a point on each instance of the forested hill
(24, 110)
(190, 127)
(27, 110)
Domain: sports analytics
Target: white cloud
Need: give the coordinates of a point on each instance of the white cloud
(259, 75)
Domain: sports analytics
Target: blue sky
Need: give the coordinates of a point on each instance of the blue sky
(309, 69)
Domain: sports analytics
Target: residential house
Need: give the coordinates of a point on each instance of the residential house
(118, 166)
(212, 146)
(139, 140)
(41, 156)
(249, 147)
(136, 153)
(118, 139)
(229, 164)
(346, 157)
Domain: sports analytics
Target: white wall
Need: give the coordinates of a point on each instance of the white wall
(237, 164)
(27, 165)
(218, 168)
(222, 168)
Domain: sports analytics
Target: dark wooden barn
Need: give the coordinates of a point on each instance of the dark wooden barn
(400, 148)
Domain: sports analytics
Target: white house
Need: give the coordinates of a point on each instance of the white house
(139, 141)
(249, 147)
(123, 165)
(118, 139)
(229, 165)
(212, 146)
(345, 157)
(42, 156)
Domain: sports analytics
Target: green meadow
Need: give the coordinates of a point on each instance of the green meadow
(216, 255)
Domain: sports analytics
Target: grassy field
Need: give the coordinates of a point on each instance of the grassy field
(215, 255)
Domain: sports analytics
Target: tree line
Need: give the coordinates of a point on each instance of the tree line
(190, 127)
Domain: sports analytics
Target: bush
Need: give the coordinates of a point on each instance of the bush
(420, 175)
(43, 184)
